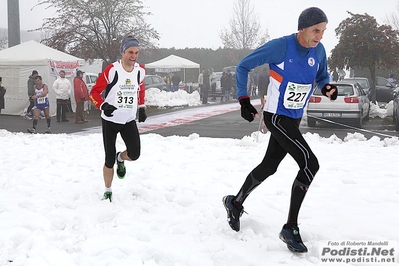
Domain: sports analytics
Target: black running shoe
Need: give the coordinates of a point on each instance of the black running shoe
(233, 212)
(290, 235)
(31, 130)
(120, 170)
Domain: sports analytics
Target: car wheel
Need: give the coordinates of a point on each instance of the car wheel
(311, 122)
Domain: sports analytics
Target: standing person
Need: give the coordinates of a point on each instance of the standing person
(175, 82)
(229, 85)
(391, 78)
(296, 62)
(81, 95)
(335, 75)
(169, 81)
(63, 88)
(263, 83)
(123, 83)
(205, 87)
(201, 80)
(223, 85)
(31, 91)
(41, 104)
(226, 83)
(2, 93)
(212, 76)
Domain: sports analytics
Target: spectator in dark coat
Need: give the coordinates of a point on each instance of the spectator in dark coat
(175, 82)
(2, 93)
(335, 75)
(205, 87)
(226, 84)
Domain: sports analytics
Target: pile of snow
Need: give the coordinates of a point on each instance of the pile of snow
(168, 210)
(156, 97)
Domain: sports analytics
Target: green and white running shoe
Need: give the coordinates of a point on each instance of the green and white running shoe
(120, 170)
(107, 195)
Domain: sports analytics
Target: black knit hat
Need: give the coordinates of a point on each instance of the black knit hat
(311, 16)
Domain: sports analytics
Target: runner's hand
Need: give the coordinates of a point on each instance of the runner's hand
(248, 111)
(108, 109)
(330, 91)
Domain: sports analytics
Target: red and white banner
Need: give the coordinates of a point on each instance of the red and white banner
(70, 68)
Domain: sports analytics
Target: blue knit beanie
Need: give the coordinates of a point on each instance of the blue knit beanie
(128, 42)
(311, 16)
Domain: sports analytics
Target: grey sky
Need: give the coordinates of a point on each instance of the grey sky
(194, 23)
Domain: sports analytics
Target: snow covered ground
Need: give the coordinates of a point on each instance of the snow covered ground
(168, 210)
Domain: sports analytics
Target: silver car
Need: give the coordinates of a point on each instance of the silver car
(364, 82)
(351, 107)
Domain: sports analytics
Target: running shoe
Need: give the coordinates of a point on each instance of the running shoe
(48, 131)
(107, 195)
(31, 130)
(290, 235)
(121, 169)
(234, 212)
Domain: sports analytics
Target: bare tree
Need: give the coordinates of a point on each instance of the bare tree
(245, 28)
(94, 28)
(393, 18)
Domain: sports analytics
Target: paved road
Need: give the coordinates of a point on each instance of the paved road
(231, 125)
(228, 125)
(14, 123)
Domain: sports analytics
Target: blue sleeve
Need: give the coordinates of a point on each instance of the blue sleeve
(271, 52)
(322, 76)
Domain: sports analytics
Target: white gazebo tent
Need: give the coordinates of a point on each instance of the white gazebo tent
(17, 64)
(173, 63)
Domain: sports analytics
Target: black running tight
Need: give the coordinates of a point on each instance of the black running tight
(130, 135)
(285, 138)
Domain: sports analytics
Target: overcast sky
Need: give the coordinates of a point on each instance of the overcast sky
(193, 23)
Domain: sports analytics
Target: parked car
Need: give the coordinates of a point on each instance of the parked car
(364, 82)
(395, 114)
(384, 90)
(351, 107)
(231, 68)
(154, 81)
(90, 79)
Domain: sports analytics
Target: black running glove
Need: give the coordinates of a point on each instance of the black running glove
(248, 111)
(324, 91)
(108, 109)
(142, 115)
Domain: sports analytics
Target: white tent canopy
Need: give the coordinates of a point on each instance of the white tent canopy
(17, 64)
(171, 63)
